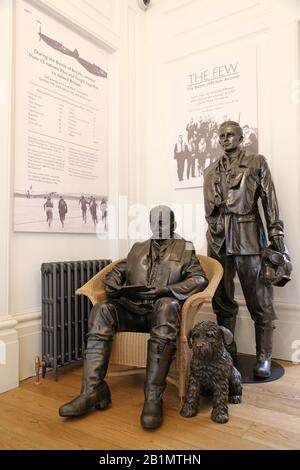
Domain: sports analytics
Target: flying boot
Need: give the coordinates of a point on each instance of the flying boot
(94, 391)
(159, 359)
(264, 343)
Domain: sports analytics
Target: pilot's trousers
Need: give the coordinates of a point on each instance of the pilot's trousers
(161, 320)
(258, 296)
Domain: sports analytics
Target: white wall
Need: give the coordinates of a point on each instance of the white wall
(118, 26)
(180, 28)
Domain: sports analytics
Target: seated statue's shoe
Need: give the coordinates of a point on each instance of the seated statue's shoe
(262, 368)
(100, 400)
(152, 414)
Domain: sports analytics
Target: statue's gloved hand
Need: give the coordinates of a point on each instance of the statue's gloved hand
(154, 294)
(278, 243)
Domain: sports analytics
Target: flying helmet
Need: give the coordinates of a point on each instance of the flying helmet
(276, 267)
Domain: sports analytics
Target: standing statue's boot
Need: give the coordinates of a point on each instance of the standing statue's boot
(94, 391)
(264, 343)
(159, 359)
(229, 323)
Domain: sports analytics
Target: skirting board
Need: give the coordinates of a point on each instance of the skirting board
(9, 354)
(30, 342)
(22, 337)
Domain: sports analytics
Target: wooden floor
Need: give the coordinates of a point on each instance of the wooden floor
(268, 418)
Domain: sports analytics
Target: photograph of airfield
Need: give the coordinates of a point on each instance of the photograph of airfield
(60, 213)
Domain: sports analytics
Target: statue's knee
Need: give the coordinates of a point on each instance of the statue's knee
(166, 333)
(102, 316)
(166, 319)
(167, 303)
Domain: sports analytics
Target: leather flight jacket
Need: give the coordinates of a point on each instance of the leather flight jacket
(234, 218)
(177, 268)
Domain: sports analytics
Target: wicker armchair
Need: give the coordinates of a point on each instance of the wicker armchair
(130, 349)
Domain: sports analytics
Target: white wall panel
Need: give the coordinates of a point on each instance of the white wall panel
(180, 29)
(99, 19)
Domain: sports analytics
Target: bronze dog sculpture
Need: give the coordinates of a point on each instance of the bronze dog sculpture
(212, 371)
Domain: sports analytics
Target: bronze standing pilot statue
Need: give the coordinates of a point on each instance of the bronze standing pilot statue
(167, 267)
(236, 237)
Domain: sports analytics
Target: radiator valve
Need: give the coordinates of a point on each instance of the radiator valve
(38, 365)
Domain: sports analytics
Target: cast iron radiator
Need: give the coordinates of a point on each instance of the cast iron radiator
(64, 314)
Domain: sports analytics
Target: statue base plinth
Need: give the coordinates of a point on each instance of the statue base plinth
(245, 365)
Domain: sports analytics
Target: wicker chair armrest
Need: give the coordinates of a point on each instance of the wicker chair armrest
(94, 289)
(194, 303)
(188, 315)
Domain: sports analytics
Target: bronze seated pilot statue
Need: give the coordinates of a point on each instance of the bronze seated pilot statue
(167, 267)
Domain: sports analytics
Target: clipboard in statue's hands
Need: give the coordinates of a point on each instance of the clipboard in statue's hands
(129, 292)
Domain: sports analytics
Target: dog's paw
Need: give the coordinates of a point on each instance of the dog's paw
(219, 417)
(235, 399)
(188, 411)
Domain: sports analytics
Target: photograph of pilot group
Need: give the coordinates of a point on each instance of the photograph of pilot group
(198, 146)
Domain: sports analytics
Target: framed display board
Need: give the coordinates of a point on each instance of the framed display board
(61, 127)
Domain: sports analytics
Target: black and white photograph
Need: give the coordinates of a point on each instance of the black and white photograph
(207, 92)
(62, 121)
